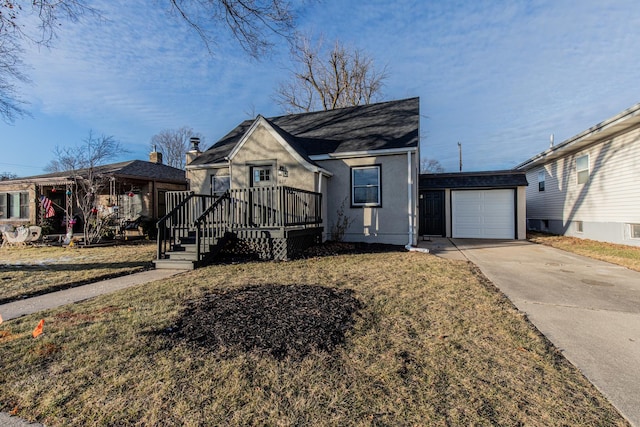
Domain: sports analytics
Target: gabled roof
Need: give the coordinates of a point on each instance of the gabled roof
(603, 130)
(471, 180)
(135, 169)
(392, 125)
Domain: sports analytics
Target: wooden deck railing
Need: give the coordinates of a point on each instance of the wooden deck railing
(210, 217)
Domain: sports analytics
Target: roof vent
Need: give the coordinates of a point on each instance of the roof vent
(551, 141)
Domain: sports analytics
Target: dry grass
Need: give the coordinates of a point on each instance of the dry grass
(32, 270)
(433, 344)
(626, 256)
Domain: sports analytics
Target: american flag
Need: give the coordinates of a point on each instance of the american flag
(47, 205)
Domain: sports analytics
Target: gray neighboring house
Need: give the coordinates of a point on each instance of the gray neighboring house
(587, 186)
(478, 205)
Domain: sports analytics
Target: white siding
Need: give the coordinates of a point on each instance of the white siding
(611, 195)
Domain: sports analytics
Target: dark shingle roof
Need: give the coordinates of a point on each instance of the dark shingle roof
(132, 168)
(469, 180)
(386, 125)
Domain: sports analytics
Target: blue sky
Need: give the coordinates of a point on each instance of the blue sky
(497, 76)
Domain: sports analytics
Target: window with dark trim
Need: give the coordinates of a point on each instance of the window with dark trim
(366, 186)
(582, 168)
(14, 205)
(541, 179)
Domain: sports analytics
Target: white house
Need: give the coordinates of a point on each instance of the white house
(587, 186)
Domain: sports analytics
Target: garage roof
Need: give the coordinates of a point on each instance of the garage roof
(470, 180)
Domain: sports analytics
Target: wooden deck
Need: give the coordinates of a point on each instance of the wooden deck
(277, 221)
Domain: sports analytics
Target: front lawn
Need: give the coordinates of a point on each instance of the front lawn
(411, 339)
(34, 270)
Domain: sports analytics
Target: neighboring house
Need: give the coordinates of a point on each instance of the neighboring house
(136, 188)
(348, 173)
(486, 205)
(587, 186)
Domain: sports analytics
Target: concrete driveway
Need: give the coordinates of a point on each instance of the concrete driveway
(589, 309)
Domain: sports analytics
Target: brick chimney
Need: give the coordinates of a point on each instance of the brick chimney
(194, 150)
(155, 156)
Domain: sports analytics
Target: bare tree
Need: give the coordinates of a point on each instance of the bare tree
(173, 144)
(82, 163)
(328, 79)
(250, 22)
(7, 175)
(13, 34)
(430, 166)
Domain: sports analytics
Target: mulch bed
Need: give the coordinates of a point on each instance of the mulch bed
(282, 321)
(330, 248)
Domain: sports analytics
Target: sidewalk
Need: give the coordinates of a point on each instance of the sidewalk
(27, 306)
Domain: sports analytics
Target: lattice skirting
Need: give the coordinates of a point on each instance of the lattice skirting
(278, 248)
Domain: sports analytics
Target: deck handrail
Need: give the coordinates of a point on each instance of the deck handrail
(255, 207)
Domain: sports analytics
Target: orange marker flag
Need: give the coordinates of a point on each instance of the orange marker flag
(38, 330)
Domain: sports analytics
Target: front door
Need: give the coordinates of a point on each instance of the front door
(260, 200)
(432, 213)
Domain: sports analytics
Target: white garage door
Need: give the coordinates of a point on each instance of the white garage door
(483, 214)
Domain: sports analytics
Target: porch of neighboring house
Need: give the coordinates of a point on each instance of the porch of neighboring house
(117, 205)
(274, 223)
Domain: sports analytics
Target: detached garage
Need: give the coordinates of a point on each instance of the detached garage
(479, 205)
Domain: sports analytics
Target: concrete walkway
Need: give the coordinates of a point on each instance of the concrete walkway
(27, 306)
(589, 309)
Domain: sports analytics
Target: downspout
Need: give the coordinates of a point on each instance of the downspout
(409, 200)
(410, 209)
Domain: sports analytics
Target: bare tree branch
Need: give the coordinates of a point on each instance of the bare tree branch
(251, 22)
(430, 166)
(13, 34)
(325, 80)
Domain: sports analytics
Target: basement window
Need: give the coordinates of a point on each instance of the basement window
(579, 226)
(635, 231)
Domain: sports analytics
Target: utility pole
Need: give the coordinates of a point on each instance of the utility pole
(460, 155)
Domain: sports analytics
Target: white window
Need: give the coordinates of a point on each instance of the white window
(635, 231)
(579, 226)
(582, 168)
(220, 184)
(14, 205)
(365, 186)
(261, 176)
(541, 180)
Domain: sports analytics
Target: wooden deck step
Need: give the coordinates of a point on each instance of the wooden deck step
(174, 264)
